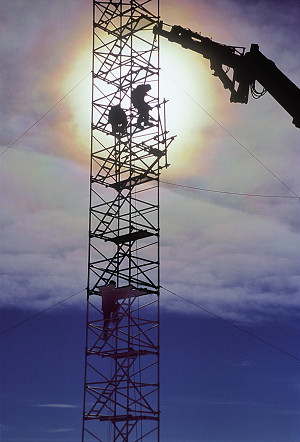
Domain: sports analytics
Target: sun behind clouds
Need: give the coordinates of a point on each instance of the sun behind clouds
(187, 83)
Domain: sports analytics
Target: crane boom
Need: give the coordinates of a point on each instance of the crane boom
(247, 68)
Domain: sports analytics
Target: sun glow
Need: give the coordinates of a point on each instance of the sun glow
(80, 98)
(185, 82)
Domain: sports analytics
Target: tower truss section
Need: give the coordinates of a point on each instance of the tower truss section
(129, 145)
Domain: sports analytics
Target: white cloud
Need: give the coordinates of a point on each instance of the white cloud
(44, 229)
(241, 265)
(61, 430)
(57, 406)
(236, 256)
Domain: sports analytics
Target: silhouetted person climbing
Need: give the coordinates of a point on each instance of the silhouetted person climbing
(110, 305)
(118, 120)
(143, 108)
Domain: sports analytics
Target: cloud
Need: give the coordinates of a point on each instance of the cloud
(236, 256)
(35, 79)
(245, 363)
(243, 265)
(288, 412)
(44, 228)
(211, 402)
(61, 430)
(57, 406)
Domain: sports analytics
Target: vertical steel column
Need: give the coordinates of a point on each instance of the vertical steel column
(128, 151)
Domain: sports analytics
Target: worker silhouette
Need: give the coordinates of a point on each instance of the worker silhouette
(118, 120)
(110, 305)
(138, 101)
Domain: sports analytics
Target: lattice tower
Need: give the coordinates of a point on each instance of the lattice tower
(128, 152)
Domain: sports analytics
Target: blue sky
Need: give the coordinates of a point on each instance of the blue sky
(232, 255)
(217, 384)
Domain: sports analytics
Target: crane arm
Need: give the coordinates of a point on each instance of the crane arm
(218, 54)
(282, 89)
(246, 68)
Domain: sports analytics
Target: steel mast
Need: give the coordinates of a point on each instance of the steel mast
(129, 143)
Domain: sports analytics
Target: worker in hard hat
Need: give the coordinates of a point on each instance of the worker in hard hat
(110, 305)
(138, 101)
(118, 120)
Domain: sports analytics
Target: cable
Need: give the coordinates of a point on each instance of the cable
(255, 93)
(229, 193)
(234, 325)
(178, 296)
(174, 184)
(179, 185)
(46, 113)
(39, 313)
(235, 139)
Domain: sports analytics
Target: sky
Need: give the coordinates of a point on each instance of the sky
(224, 254)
